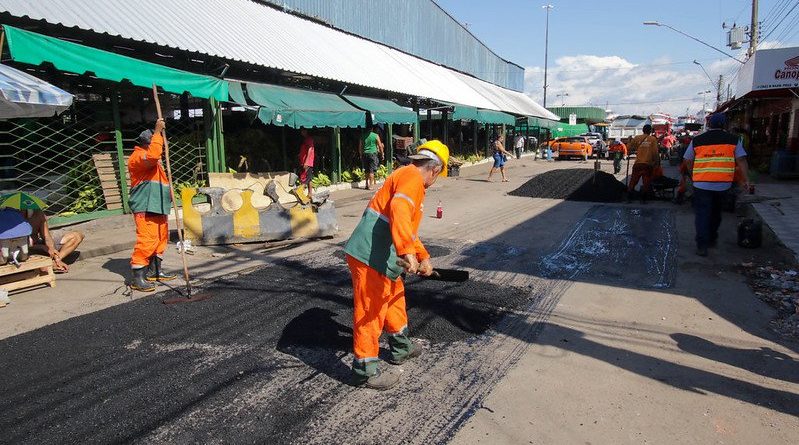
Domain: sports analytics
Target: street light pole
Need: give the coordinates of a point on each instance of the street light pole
(546, 52)
(562, 97)
(655, 23)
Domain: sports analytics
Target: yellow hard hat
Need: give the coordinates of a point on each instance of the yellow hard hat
(439, 149)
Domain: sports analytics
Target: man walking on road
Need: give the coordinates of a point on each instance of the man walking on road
(618, 151)
(645, 147)
(150, 203)
(369, 147)
(713, 156)
(388, 232)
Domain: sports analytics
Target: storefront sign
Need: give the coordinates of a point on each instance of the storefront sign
(770, 69)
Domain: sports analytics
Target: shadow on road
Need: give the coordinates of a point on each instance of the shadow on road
(319, 341)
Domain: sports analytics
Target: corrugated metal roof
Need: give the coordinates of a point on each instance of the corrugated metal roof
(246, 31)
(418, 27)
(507, 100)
(591, 114)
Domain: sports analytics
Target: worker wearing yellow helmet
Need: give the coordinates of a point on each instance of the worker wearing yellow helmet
(388, 232)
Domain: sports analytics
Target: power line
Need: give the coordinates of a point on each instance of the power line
(685, 62)
(788, 29)
(780, 22)
(772, 13)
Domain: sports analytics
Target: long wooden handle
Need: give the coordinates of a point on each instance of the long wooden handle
(178, 221)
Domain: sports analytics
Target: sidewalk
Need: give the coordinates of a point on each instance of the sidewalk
(781, 213)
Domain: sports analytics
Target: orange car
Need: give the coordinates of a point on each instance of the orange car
(573, 146)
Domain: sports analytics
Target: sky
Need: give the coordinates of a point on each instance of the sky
(601, 53)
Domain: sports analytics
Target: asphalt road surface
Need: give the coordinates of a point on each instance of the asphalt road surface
(266, 359)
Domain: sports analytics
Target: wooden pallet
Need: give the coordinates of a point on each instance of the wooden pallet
(105, 163)
(28, 274)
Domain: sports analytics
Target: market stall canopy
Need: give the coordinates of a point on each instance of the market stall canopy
(35, 49)
(463, 112)
(495, 117)
(542, 123)
(296, 108)
(383, 111)
(226, 29)
(23, 95)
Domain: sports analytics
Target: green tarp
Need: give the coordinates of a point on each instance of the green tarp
(383, 111)
(297, 108)
(562, 130)
(587, 114)
(464, 112)
(542, 123)
(32, 48)
(495, 117)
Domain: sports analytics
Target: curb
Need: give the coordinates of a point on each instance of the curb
(103, 250)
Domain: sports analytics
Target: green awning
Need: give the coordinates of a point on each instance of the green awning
(495, 117)
(383, 111)
(464, 112)
(297, 108)
(562, 130)
(32, 48)
(542, 123)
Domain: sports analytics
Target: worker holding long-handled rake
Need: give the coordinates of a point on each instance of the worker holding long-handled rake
(150, 202)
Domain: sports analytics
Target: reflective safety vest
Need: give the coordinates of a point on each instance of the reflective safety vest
(149, 190)
(390, 225)
(714, 156)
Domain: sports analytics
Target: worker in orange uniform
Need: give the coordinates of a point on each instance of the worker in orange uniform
(388, 232)
(618, 151)
(645, 147)
(150, 203)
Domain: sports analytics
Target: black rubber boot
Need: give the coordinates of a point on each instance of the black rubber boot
(381, 380)
(155, 273)
(140, 281)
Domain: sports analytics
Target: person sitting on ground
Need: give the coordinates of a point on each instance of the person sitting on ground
(500, 157)
(645, 147)
(43, 241)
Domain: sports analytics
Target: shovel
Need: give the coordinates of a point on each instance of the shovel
(453, 275)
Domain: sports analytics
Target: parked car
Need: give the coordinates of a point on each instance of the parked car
(572, 147)
(596, 140)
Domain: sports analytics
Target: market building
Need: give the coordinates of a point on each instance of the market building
(765, 110)
(241, 77)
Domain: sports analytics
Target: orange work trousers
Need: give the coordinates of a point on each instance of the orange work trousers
(152, 234)
(379, 304)
(641, 172)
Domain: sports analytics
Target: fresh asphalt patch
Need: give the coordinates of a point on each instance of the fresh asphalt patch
(573, 184)
(266, 359)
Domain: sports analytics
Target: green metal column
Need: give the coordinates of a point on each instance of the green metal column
(283, 149)
(429, 124)
(416, 131)
(488, 136)
(390, 151)
(123, 173)
(221, 162)
(474, 136)
(209, 118)
(445, 122)
(336, 155)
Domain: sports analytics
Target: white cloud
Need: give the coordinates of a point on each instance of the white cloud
(627, 88)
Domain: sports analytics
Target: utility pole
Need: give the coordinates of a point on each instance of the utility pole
(719, 88)
(755, 30)
(546, 52)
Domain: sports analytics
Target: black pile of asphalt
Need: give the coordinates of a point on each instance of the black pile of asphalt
(573, 184)
(126, 373)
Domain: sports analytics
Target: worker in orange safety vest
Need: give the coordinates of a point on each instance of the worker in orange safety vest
(388, 232)
(713, 156)
(150, 203)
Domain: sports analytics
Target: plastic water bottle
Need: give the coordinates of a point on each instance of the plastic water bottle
(439, 211)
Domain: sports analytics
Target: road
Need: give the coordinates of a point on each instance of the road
(584, 322)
